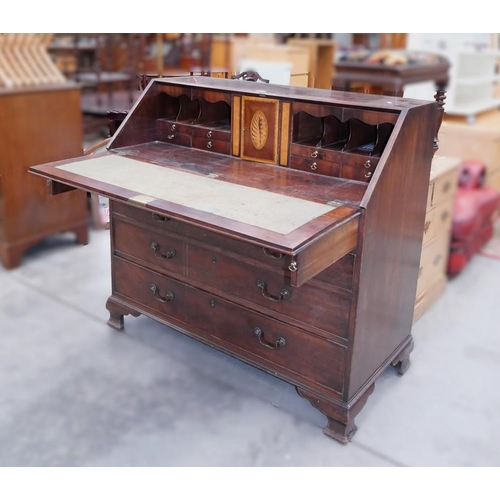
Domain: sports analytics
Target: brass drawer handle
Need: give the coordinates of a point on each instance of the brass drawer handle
(170, 254)
(280, 342)
(367, 164)
(209, 144)
(368, 174)
(209, 134)
(170, 136)
(314, 166)
(273, 255)
(159, 218)
(284, 293)
(156, 294)
(426, 227)
(314, 154)
(173, 127)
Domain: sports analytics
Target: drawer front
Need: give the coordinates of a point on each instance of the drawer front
(316, 166)
(429, 226)
(315, 306)
(359, 168)
(160, 249)
(256, 337)
(444, 187)
(211, 134)
(316, 153)
(433, 262)
(175, 138)
(158, 222)
(211, 145)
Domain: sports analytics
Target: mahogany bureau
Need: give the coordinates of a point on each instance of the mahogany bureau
(281, 225)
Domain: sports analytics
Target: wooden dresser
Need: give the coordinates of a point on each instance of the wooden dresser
(38, 124)
(432, 277)
(281, 225)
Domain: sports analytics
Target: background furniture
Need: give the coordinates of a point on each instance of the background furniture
(321, 60)
(474, 74)
(37, 125)
(292, 238)
(478, 141)
(432, 277)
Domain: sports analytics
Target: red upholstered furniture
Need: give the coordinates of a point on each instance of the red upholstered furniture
(473, 215)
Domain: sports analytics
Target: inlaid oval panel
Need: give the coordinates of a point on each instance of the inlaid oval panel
(259, 129)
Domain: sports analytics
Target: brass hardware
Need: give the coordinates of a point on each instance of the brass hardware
(314, 154)
(426, 227)
(212, 302)
(293, 266)
(367, 164)
(446, 187)
(214, 260)
(156, 294)
(209, 144)
(280, 342)
(159, 218)
(420, 271)
(168, 255)
(314, 166)
(273, 255)
(49, 182)
(170, 136)
(444, 215)
(437, 259)
(368, 174)
(209, 134)
(284, 293)
(173, 127)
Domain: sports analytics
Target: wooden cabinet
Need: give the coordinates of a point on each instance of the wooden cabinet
(37, 125)
(479, 141)
(307, 273)
(432, 277)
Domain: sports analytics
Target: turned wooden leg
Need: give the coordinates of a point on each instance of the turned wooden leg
(116, 313)
(402, 361)
(340, 425)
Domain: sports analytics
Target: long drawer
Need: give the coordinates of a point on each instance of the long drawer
(229, 275)
(339, 274)
(295, 354)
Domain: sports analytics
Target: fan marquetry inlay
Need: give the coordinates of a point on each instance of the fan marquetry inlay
(259, 129)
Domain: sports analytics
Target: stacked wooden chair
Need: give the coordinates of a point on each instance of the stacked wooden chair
(25, 61)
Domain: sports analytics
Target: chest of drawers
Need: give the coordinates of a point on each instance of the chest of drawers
(308, 272)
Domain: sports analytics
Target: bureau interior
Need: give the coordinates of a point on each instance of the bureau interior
(340, 141)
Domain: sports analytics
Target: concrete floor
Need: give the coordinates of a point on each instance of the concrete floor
(74, 392)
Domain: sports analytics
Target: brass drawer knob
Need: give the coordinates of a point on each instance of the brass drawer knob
(209, 144)
(314, 154)
(314, 166)
(280, 341)
(170, 136)
(209, 134)
(173, 127)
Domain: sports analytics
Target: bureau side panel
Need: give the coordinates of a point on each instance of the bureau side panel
(391, 247)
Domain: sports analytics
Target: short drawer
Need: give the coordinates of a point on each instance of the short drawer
(433, 261)
(159, 222)
(444, 187)
(316, 166)
(213, 134)
(160, 249)
(172, 126)
(308, 304)
(316, 153)
(359, 168)
(266, 342)
(175, 138)
(215, 145)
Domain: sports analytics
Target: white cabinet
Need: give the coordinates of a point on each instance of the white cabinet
(473, 74)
